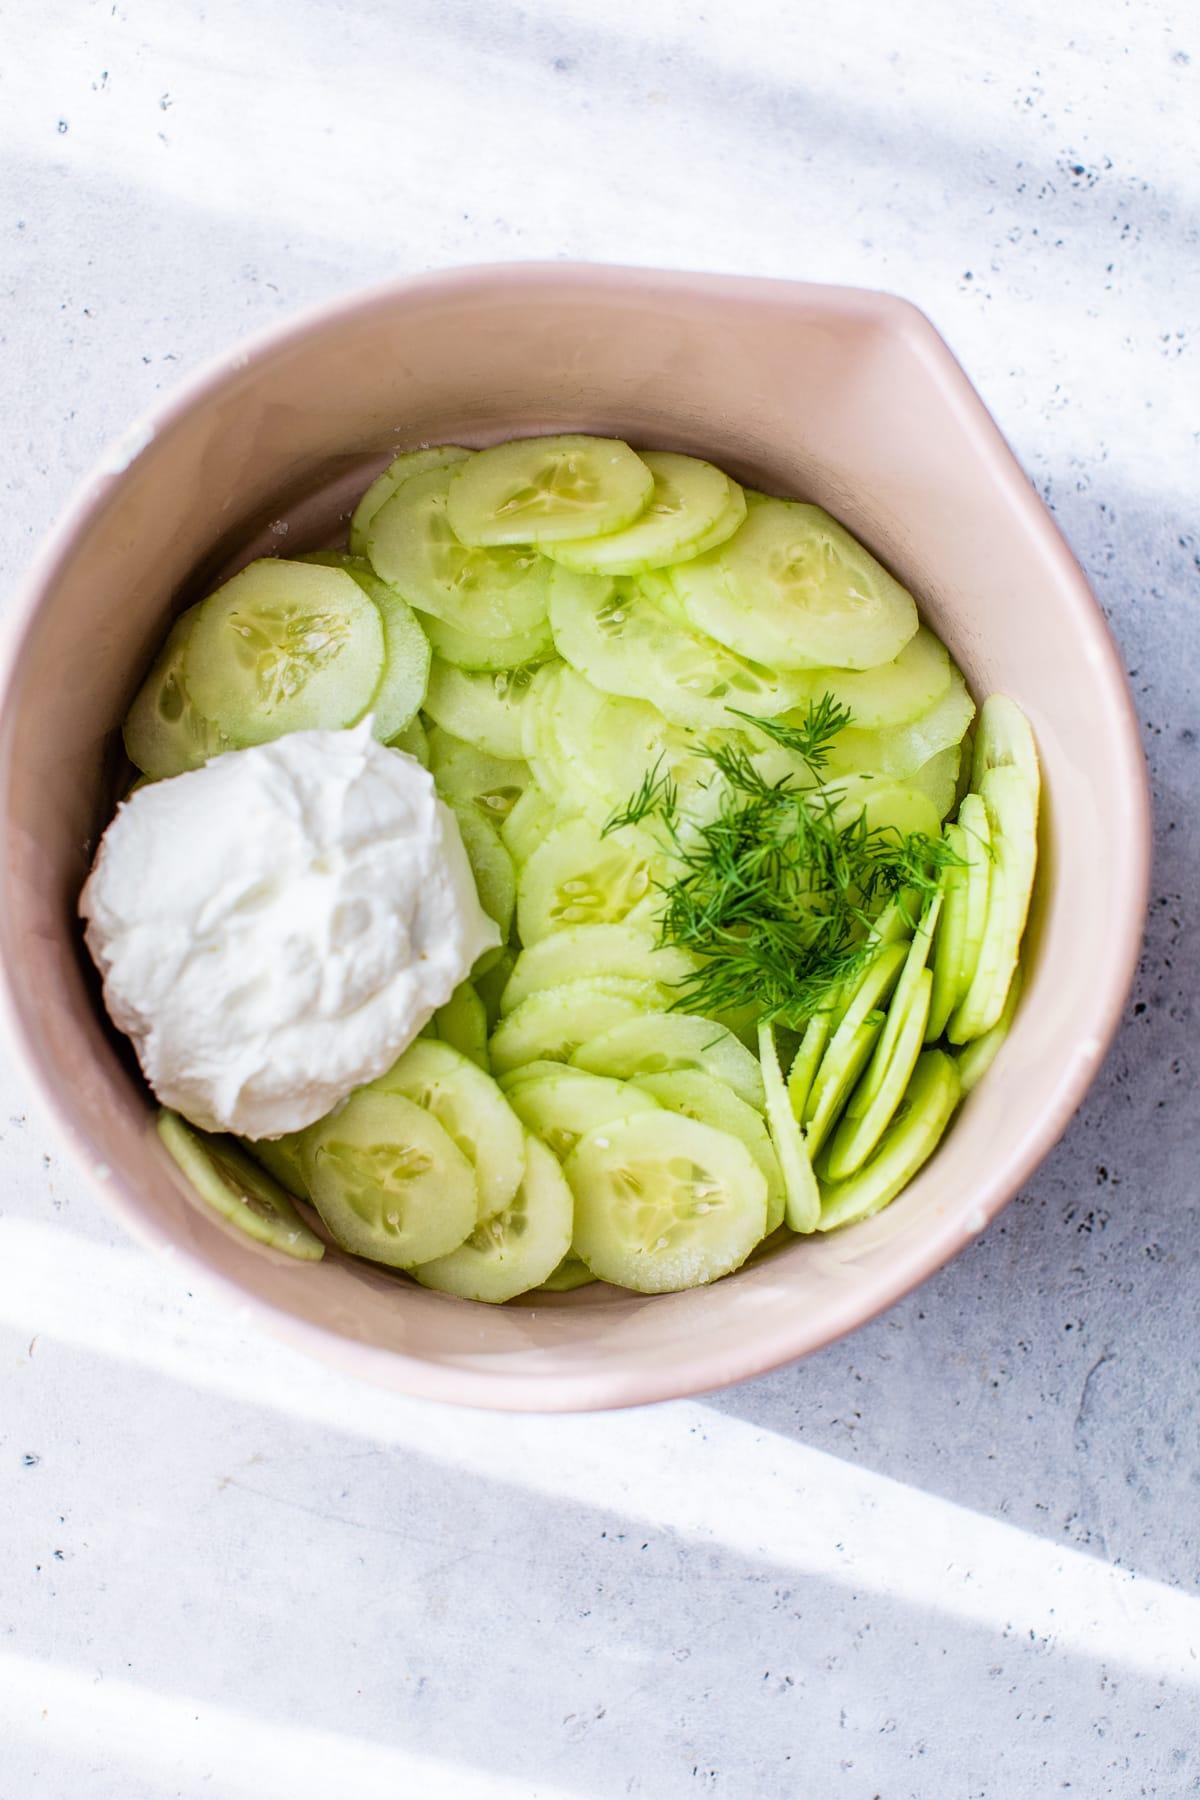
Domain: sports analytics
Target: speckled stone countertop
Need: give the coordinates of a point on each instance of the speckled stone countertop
(956, 1556)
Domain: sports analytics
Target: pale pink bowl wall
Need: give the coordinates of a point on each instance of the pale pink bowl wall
(845, 397)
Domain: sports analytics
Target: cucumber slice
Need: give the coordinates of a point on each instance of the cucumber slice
(689, 498)
(868, 1116)
(577, 877)
(792, 589)
(538, 1070)
(543, 490)
(1011, 803)
(626, 643)
(807, 1059)
(482, 707)
(1003, 737)
(401, 469)
(584, 744)
(490, 982)
(909, 1141)
(851, 1043)
(234, 1187)
(530, 822)
(570, 1274)
(551, 1025)
(284, 646)
(495, 593)
(164, 731)
(561, 1110)
(469, 777)
(282, 1158)
(698, 1096)
(937, 779)
(904, 997)
(462, 1023)
(979, 1055)
(491, 865)
(664, 1203)
(893, 693)
(514, 1250)
(406, 655)
(669, 1041)
(580, 951)
(964, 912)
(469, 1107)
(900, 751)
(478, 650)
(413, 742)
(803, 1202)
(389, 1181)
(893, 806)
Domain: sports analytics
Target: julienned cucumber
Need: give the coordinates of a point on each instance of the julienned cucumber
(602, 654)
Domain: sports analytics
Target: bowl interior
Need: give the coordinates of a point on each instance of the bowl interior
(845, 398)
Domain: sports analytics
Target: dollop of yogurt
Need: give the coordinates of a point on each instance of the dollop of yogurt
(274, 928)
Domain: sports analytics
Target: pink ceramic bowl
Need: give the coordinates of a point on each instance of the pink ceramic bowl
(844, 397)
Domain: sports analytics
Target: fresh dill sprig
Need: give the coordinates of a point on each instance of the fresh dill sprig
(658, 797)
(813, 737)
(776, 892)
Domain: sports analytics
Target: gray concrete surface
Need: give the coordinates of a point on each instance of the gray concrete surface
(956, 1556)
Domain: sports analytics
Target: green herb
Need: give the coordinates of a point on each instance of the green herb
(776, 893)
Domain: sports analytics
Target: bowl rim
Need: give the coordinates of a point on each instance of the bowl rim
(697, 1370)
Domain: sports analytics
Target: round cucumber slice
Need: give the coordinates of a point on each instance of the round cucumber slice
(284, 646)
(792, 589)
(543, 490)
(580, 951)
(663, 1202)
(389, 1181)
(1003, 738)
(662, 1044)
(551, 1025)
(577, 877)
(282, 1158)
(893, 693)
(532, 819)
(406, 655)
(411, 544)
(165, 733)
(491, 865)
(470, 1108)
(570, 1274)
(482, 707)
(560, 1111)
(698, 1096)
(937, 779)
(979, 1055)
(868, 1114)
(463, 1024)
(959, 934)
(628, 644)
(909, 1141)
(234, 1187)
(516, 1249)
(1011, 803)
(538, 1070)
(466, 776)
(478, 650)
(802, 1201)
(413, 742)
(891, 806)
(901, 750)
(689, 498)
(401, 469)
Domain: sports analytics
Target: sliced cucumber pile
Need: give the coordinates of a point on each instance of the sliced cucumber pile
(567, 633)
